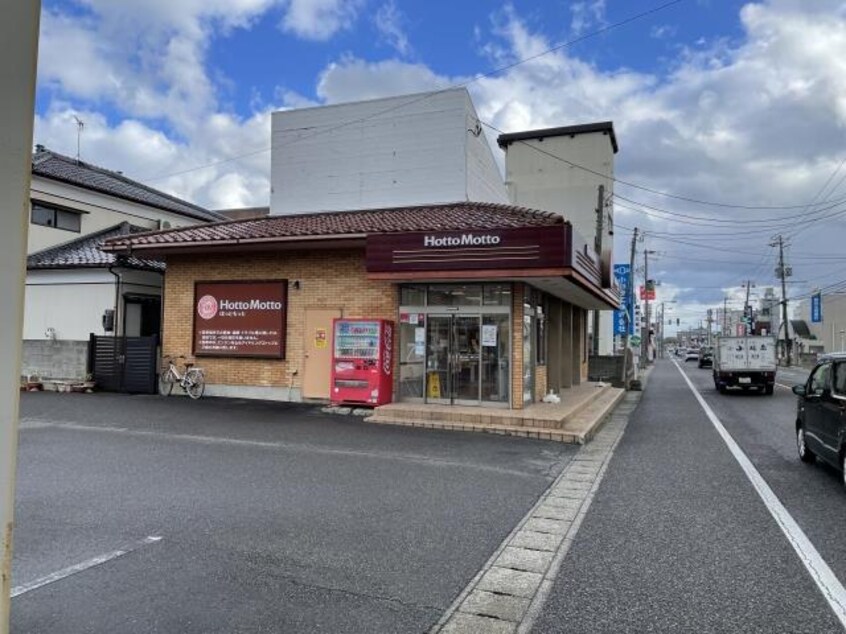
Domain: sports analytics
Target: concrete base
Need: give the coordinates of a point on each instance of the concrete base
(576, 419)
(253, 392)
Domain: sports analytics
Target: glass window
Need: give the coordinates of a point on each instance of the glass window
(497, 295)
(819, 380)
(58, 218)
(43, 216)
(455, 295)
(840, 379)
(67, 220)
(413, 296)
(540, 331)
(496, 335)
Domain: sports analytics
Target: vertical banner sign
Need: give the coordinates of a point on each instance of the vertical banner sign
(241, 319)
(816, 308)
(624, 315)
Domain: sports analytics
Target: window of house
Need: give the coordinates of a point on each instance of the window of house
(47, 216)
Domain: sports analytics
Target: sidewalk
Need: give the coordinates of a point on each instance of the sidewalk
(676, 539)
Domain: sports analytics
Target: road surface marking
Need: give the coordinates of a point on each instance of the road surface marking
(826, 581)
(786, 387)
(36, 424)
(84, 565)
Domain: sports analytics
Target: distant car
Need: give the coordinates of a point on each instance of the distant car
(820, 423)
(706, 358)
(691, 355)
(680, 352)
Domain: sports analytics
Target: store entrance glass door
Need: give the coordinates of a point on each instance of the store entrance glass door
(453, 359)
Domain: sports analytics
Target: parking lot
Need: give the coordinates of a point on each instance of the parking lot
(145, 514)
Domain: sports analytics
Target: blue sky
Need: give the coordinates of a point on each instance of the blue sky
(717, 100)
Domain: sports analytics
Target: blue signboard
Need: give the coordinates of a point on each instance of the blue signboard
(624, 315)
(816, 308)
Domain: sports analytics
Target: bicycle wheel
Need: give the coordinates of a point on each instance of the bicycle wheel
(196, 384)
(166, 382)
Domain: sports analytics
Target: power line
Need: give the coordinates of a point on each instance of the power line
(429, 95)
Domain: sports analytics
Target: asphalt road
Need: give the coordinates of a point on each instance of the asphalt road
(272, 518)
(678, 540)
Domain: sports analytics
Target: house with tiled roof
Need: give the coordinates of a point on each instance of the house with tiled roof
(73, 288)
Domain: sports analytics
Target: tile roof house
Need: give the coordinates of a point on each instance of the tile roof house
(73, 288)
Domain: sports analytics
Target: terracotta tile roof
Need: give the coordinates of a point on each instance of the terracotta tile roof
(458, 216)
(85, 252)
(55, 166)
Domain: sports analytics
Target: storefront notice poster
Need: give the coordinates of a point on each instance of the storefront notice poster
(240, 319)
(419, 335)
(489, 335)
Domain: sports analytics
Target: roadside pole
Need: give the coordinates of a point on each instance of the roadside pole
(19, 29)
(629, 312)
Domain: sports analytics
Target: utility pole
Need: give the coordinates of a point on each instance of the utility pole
(710, 321)
(646, 340)
(629, 308)
(597, 245)
(783, 272)
(19, 31)
(747, 309)
(725, 316)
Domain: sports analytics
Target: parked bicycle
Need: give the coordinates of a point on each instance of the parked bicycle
(192, 380)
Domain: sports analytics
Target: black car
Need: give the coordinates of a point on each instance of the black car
(821, 413)
(706, 357)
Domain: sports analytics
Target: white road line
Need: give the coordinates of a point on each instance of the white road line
(786, 387)
(84, 565)
(826, 581)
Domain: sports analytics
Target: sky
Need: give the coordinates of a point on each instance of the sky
(730, 115)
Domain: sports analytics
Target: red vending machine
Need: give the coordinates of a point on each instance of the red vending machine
(363, 361)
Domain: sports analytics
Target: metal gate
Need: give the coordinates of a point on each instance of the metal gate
(124, 364)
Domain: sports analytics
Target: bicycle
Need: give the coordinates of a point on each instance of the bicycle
(192, 381)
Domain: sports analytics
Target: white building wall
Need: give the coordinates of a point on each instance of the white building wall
(537, 180)
(70, 302)
(102, 212)
(408, 150)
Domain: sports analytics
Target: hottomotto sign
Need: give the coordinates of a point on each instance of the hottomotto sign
(240, 319)
(464, 240)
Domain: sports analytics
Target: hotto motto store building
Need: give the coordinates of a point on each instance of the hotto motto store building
(489, 301)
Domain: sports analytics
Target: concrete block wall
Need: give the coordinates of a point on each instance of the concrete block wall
(55, 359)
(328, 279)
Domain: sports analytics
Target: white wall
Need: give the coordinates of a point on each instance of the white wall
(103, 211)
(70, 302)
(396, 151)
(536, 180)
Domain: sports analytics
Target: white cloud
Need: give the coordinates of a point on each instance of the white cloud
(389, 22)
(319, 19)
(587, 15)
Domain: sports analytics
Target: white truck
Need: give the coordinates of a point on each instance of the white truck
(745, 362)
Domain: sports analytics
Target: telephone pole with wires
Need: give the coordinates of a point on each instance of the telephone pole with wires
(783, 272)
(597, 244)
(628, 302)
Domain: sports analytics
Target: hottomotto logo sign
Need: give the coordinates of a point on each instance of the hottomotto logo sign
(208, 306)
(464, 240)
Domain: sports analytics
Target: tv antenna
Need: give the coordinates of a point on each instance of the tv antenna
(79, 125)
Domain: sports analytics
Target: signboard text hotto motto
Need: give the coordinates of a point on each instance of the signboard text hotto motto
(464, 240)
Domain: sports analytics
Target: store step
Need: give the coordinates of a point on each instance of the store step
(589, 420)
(538, 433)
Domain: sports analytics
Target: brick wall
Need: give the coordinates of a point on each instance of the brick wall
(517, 347)
(328, 279)
(540, 383)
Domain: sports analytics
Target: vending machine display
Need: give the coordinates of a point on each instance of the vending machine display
(362, 361)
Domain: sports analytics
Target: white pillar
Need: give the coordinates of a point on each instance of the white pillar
(19, 34)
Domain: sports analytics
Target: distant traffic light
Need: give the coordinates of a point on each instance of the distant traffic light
(677, 321)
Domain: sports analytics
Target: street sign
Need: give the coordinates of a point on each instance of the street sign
(635, 341)
(647, 293)
(816, 308)
(624, 315)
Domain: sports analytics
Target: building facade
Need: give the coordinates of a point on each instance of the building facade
(489, 302)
